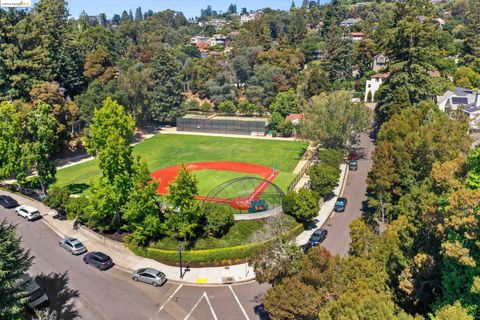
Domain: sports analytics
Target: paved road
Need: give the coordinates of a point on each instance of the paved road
(338, 240)
(78, 291)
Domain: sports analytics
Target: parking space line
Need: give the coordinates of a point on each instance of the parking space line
(239, 304)
(196, 305)
(210, 305)
(168, 300)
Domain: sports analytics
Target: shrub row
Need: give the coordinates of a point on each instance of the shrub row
(211, 255)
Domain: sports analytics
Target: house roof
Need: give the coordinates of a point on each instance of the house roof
(295, 116)
(357, 34)
(381, 75)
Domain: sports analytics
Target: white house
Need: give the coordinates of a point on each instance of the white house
(373, 85)
(379, 62)
(247, 17)
(466, 100)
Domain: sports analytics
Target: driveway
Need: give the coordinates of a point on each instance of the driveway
(78, 291)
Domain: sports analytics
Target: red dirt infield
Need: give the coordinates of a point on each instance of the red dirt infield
(168, 175)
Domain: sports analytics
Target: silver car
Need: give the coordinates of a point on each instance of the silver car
(150, 275)
(72, 245)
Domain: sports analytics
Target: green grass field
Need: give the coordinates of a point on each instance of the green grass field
(167, 150)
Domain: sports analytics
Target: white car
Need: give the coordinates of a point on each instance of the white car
(28, 212)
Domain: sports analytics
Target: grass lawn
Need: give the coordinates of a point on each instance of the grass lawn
(167, 150)
(242, 232)
(209, 179)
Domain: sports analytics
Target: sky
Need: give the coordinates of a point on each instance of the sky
(191, 8)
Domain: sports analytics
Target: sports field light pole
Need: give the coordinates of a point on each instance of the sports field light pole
(180, 249)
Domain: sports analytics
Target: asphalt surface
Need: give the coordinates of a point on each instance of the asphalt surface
(338, 239)
(79, 291)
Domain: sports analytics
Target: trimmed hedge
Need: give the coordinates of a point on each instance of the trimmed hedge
(211, 255)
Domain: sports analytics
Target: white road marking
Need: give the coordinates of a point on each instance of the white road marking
(210, 305)
(168, 300)
(196, 305)
(239, 304)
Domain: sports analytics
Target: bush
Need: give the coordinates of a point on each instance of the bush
(58, 198)
(302, 205)
(331, 157)
(227, 107)
(324, 178)
(276, 121)
(218, 220)
(211, 255)
(75, 208)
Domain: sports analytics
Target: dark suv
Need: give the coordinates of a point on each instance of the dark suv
(340, 205)
(98, 260)
(317, 237)
(8, 202)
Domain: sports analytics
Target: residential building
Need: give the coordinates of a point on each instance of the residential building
(247, 17)
(349, 22)
(357, 36)
(218, 39)
(373, 85)
(295, 118)
(379, 62)
(465, 100)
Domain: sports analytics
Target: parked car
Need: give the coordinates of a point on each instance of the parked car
(36, 295)
(150, 275)
(305, 247)
(98, 260)
(8, 202)
(72, 245)
(340, 205)
(353, 155)
(353, 165)
(318, 237)
(28, 212)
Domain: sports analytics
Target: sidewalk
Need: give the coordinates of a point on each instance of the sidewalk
(127, 261)
(326, 211)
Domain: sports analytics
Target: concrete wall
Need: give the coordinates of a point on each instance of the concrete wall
(257, 216)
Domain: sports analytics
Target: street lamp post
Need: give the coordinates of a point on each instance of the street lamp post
(180, 249)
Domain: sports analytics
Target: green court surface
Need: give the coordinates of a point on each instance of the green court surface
(167, 150)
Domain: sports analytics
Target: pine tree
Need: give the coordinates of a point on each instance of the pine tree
(167, 97)
(138, 14)
(14, 261)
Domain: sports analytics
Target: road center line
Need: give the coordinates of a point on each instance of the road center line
(168, 300)
(210, 305)
(239, 304)
(196, 305)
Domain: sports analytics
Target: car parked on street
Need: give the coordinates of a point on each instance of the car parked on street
(150, 276)
(8, 202)
(318, 237)
(28, 212)
(98, 260)
(353, 155)
(340, 205)
(353, 165)
(36, 295)
(72, 245)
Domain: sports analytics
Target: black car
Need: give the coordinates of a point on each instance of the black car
(317, 237)
(8, 202)
(98, 260)
(340, 205)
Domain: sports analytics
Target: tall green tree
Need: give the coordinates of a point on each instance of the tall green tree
(167, 97)
(338, 57)
(40, 148)
(333, 120)
(10, 140)
(182, 218)
(285, 103)
(14, 261)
